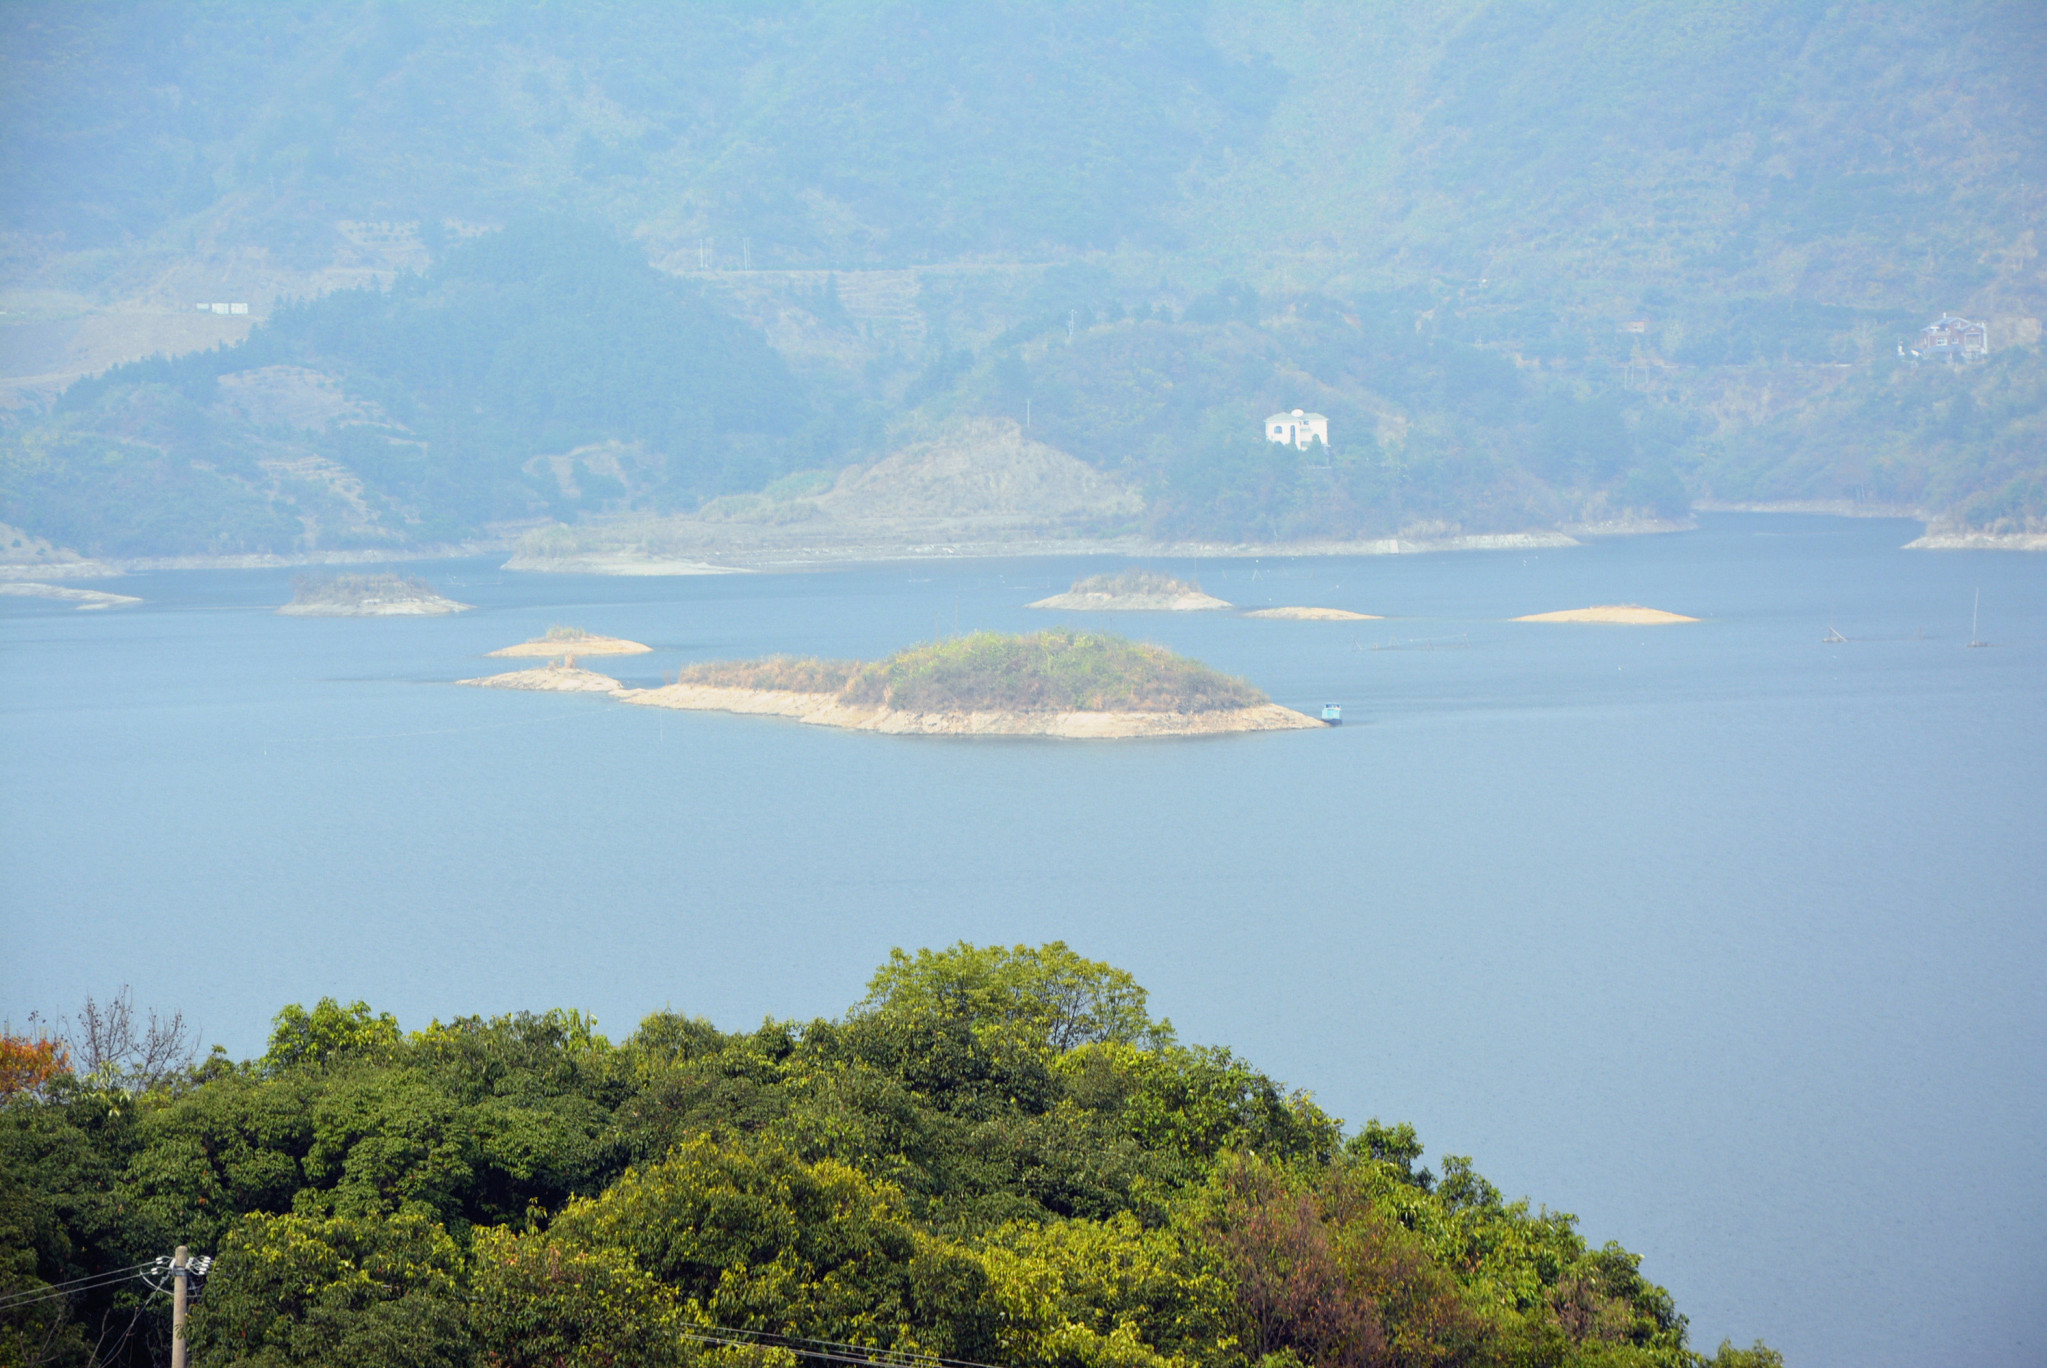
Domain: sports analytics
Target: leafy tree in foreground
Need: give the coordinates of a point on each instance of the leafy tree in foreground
(997, 1155)
(346, 1290)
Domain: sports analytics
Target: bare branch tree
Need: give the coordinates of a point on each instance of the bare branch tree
(105, 1035)
(165, 1050)
(108, 1050)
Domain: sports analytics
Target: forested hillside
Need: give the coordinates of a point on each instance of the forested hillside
(544, 371)
(1542, 261)
(375, 417)
(998, 1156)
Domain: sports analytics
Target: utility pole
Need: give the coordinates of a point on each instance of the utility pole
(181, 1263)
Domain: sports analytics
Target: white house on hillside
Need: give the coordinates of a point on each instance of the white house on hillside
(1297, 427)
(1950, 338)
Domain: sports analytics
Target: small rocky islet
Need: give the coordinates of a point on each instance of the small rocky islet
(572, 641)
(1615, 614)
(1133, 591)
(1300, 614)
(367, 596)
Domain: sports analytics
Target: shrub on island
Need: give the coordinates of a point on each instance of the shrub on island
(1132, 582)
(366, 596)
(776, 674)
(1059, 670)
(348, 590)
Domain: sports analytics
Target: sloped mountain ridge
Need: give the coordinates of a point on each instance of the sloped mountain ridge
(1695, 243)
(980, 468)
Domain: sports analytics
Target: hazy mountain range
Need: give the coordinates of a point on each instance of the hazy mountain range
(1540, 263)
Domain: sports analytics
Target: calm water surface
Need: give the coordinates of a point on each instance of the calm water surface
(1732, 942)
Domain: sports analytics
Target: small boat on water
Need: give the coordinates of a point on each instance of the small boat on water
(1975, 613)
(1332, 714)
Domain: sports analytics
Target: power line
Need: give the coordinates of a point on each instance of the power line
(870, 1354)
(89, 1277)
(817, 1355)
(20, 1302)
(827, 1351)
(63, 1289)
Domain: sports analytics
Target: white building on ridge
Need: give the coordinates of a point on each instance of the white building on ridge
(1297, 427)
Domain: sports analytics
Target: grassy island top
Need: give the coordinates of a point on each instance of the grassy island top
(1133, 581)
(352, 589)
(1059, 670)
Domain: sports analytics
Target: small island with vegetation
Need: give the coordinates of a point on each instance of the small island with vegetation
(557, 676)
(366, 596)
(1132, 591)
(1053, 683)
(572, 641)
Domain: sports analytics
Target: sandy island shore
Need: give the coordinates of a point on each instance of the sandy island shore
(85, 598)
(1626, 614)
(549, 679)
(829, 710)
(1130, 603)
(1313, 615)
(1979, 541)
(544, 647)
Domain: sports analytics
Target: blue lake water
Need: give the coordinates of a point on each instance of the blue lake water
(1730, 941)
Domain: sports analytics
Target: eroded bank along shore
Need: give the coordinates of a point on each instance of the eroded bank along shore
(828, 710)
(590, 551)
(1055, 683)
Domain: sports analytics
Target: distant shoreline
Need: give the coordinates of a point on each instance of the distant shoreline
(769, 559)
(764, 559)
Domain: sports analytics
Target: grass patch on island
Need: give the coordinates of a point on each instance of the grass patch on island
(1130, 582)
(348, 590)
(792, 674)
(1059, 670)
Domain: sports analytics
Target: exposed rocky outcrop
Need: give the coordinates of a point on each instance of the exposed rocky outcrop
(1624, 614)
(1313, 615)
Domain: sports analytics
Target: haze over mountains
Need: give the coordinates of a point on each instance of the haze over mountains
(1541, 264)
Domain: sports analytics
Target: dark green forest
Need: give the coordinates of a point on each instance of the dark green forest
(1542, 262)
(998, 1156)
